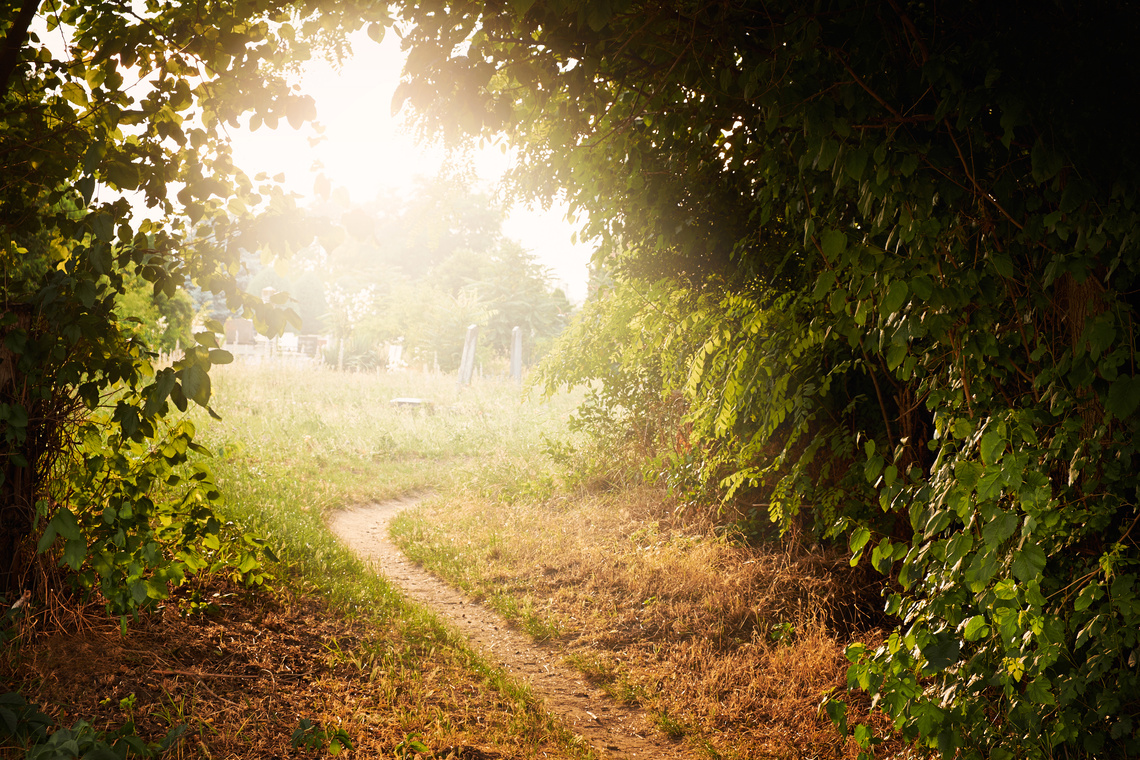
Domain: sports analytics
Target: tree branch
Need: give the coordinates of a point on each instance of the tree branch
(14, 42)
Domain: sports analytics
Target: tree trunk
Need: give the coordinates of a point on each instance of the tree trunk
(17, 480)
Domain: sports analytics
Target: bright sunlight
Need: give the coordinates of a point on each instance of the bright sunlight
(362, 147)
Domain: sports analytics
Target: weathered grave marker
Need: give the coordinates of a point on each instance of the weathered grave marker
(467, 362)
(516, 354)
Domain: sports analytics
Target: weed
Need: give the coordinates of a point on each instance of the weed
(670, 726)
(313, 736)
(595, 667)
(293, 445)
(782, 633)
(410, 746)
(658, 609)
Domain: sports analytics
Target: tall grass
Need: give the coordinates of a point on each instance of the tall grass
(294, 443)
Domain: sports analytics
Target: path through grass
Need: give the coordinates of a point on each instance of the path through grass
(331, 652)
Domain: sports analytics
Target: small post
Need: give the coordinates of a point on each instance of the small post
(467, 362)
(516, 354)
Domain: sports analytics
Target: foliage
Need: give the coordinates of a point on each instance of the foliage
(159, 321)
(313, 736)
(23, 724)
(908, 234)
(625, 347)
(420, 269)
(135, 103)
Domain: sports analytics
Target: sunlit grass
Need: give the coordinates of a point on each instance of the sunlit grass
(296, 443)
(726, 646)
(661, 612)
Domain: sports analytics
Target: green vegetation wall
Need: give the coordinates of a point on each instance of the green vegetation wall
(900, 239)
(97, 475)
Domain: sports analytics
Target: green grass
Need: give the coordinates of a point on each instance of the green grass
(294, 444)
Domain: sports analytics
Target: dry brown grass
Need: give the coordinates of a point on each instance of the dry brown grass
(733, 647)
(243, 677)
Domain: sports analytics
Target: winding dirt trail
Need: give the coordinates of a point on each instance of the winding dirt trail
(612, 729)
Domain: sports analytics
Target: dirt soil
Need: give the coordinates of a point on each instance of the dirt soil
(614, 730)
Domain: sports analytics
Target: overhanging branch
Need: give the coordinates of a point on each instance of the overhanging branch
(14, 42)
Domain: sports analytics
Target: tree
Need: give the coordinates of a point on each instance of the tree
(137, 103)
(909, 233)
(163, 323)
(436, 261)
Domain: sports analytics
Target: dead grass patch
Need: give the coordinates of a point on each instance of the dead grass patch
(244, 676)
(733, 647)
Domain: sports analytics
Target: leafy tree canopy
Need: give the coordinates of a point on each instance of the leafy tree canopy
(103, 101)
(899, 244)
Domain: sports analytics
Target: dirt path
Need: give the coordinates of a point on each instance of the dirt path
(614, 730)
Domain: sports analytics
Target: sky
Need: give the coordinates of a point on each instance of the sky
(367, 150)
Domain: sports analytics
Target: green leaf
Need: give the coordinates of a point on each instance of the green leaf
(837, 301)
(196, 384)
(73, 552)
(1123, 396)
(834, 243)
(837, 713)
(976, 628)
(1000, 528)
(941, 651)
(895, 355)
(102, 226)
(922, 287)
(63, 523)
(982, 569)
(122, 175)
(1040, 691)
(85, 292)
(75, 92)
(9, 719)
(598, 14)
(963, 428)
(1044, 161)
(164, 383)
(206, 338)
(967, 473)
(992, 446)
(896, 296)
(990, 486)
(856, 163)
(823, 283)
(1028, 562)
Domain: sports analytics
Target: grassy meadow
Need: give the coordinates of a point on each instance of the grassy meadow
(325, 654)
(295, 443)
(731, 648)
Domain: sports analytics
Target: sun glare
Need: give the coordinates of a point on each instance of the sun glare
(361, 147)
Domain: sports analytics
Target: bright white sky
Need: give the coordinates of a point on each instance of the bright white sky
(366, 150)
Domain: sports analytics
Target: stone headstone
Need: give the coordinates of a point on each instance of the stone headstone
(516, 354)
(467, 362)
